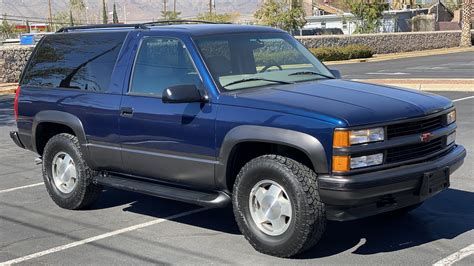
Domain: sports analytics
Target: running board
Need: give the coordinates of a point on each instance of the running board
(207, 199)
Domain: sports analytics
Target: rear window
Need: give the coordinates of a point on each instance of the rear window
(82, 61)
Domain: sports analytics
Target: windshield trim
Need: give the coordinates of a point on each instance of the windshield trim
(218, 87)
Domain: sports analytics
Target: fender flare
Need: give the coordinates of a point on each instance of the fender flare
(308, 144)
(63, 118)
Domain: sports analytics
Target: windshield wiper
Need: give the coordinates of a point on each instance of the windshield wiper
(309, 73)
(256, 79)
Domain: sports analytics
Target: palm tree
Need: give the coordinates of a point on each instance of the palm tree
(466, 40)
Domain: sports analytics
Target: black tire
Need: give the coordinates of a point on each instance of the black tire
(308, 223)
(85, 191)
(403, 211)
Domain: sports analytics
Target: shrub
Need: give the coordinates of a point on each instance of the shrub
(342, 52)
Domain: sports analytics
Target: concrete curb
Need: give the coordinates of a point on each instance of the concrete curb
(464, 85)
(385, 57)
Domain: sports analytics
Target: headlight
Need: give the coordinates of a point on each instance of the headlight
(347, 138)
(451, 117)
(364, 161)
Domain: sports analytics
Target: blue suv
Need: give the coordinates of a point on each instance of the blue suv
(215, 114)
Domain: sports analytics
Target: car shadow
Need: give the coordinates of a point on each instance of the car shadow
(445, 216)
(219, 219)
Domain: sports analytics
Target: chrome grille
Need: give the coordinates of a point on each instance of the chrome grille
(414, 127)
(414, 151)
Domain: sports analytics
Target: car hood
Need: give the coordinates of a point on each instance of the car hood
(352, 103)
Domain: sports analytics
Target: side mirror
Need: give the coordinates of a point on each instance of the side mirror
(336, 73)
(182, 94)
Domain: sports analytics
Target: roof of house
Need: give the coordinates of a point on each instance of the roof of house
(329, 9)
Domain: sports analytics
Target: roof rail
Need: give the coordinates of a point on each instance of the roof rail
(179, 21)
(103, 26)
(138, 25)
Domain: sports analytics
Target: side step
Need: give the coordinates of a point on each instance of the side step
(207, 199)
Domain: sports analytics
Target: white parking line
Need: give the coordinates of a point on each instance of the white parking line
(462, 99)
(451, 259)
(22, 187)
(99, 237)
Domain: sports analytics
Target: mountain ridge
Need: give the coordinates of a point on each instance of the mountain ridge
(137, 10)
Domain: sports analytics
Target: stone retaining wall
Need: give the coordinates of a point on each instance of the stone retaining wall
(386, 43)
(12, 60)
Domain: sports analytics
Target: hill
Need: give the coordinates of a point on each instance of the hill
(137, 10)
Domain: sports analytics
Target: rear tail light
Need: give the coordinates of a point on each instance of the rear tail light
(15, 103)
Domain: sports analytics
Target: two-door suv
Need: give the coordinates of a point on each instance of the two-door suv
(216, 114)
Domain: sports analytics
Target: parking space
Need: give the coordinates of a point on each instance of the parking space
(129, 228)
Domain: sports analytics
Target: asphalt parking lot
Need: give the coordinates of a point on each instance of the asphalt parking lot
(446, 66)
(128, 228)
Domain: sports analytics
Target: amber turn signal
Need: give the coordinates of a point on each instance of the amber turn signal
(341, 163)
(341, 138)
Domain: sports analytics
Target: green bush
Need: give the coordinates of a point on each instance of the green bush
(342, 52)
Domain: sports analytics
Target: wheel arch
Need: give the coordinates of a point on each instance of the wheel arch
(308, 145)
(62, 122)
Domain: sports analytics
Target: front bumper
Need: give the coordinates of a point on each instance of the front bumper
(357, 196)
(16, 138)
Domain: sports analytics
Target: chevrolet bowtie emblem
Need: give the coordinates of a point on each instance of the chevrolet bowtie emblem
(426, 137)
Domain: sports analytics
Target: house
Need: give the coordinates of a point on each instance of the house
(326, 16)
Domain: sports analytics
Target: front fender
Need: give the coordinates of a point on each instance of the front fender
(308, 144)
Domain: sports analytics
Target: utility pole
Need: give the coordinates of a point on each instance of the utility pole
(50, 16)
(210, 6)
(174, 6)
(164, 7)
(124, 12)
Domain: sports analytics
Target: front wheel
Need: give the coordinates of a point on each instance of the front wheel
(277, 206)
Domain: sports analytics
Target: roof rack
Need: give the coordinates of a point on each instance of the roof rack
(179, 21)
(102, 26)
(138, 25)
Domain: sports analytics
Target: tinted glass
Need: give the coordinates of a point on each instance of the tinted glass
(83, 61)
(162, 63)
(247, 60)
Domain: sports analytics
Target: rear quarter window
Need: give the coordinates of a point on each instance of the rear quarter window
(82, 61)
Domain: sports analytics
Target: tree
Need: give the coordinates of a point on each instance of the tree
(466, 39)
(170, 15)
(71, 19)
(114, 15)
(6, 29)
(78, 10)
(61, 19)
(367, 13)
(218, 18)
(277, 13)
(105, 18)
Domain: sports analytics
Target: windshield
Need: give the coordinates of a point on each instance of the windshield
(242, 61)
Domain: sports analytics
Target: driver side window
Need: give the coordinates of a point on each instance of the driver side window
(161, 63)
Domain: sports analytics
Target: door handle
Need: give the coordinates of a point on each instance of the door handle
(126, 111)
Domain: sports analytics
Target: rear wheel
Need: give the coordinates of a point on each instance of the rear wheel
(66, 175)
(277, 205)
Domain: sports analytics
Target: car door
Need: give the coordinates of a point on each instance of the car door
(166, 141)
